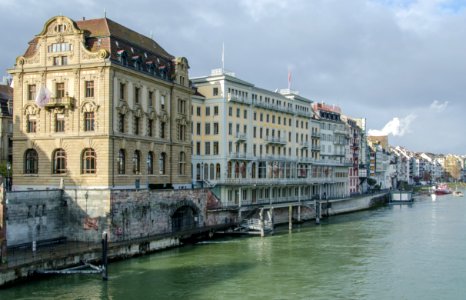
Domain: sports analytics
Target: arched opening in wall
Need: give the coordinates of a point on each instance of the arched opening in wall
(184, 218)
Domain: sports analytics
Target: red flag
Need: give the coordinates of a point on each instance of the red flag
(289, 79)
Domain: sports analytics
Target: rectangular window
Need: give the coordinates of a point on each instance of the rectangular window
(238, 113)
(207, 128)
(150, 126)
(89, 89)
(136, 125)
(198, 128)
(162, 130)
(31, 124)
(181, 106)
(136, 95)
(150, 99)
(32, 92)
(215, 91)
(59, 123)
(230, 111)
(207, 148)
(230, 128)
(215, 128)
(122, 91)
(162, 102)
(255, 116)
(215, 148)
(207, 111)
(215, 110)
(198, 148)
(245, 114)
(198, 111)
(60, 90)
(121, 123)
(254, 131)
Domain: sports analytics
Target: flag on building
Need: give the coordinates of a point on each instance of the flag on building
(43, 96)
(289, 79)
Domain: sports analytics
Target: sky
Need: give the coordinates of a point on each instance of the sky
(401, 64)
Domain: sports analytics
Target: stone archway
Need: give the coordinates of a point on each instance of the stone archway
(184, 216)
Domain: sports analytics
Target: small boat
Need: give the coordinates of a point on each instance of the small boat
(458, 193)
(401, 197)
(441, 189)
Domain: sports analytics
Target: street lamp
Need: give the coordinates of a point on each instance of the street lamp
(8, 181)
(148, 161)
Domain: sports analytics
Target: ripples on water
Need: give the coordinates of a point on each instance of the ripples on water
(395, 252)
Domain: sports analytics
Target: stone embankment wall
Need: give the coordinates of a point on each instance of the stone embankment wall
(83, 215)
(35, 215)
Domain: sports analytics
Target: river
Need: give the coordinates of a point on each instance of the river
(413, 251)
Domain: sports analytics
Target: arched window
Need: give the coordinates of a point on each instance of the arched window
(253, 171)
(182, 163)
(198, 172)
(212, 172)
(162, 160)
(136, 162)
(150, 163)
(217, 171)
(88, 161)
(59, 161)
(206, 172)
(31, 162)
(229, 170)
(121, 161)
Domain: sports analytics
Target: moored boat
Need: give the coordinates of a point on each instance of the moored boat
(458, 193)
(441, 189)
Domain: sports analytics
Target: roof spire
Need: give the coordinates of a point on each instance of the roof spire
(105, 13)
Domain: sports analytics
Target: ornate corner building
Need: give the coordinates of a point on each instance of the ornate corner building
(98, 105)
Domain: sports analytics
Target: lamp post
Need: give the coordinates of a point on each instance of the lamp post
(148, 168)
(8, 181)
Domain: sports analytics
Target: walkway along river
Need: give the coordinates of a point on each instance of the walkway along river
(413, 251)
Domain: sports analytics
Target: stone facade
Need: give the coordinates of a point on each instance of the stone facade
(97, 105)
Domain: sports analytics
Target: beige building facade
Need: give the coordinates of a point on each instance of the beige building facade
(255, 147)
(97, 105)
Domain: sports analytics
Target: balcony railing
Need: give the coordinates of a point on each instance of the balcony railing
(305, 145)
(238, 99)
(315, 134)
(66, 102)
(315, 148)
(240, 137)
(275, 140)
(242, 156)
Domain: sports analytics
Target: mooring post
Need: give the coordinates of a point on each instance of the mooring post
(261, 221)
(290, 215)
(104, 256)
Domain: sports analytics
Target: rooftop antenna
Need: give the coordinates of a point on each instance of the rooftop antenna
(105, 13)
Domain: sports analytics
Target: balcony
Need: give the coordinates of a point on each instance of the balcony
(305, 145)
(315, 135)
(315, 147)
(238, 99)
(240, 137)
(64, 102)
(275, 140)
(240, 156)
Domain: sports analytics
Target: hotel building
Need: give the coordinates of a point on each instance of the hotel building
(253, 146)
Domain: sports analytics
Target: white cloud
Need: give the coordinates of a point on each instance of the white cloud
(436, 106)
(395, 127)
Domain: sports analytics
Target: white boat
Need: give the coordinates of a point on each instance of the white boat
(458, 193)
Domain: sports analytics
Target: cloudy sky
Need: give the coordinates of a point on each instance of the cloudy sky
(401, 64)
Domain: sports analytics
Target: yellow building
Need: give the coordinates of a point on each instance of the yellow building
(256, 146)
(97, 105)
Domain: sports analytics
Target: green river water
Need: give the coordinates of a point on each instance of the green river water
(413, 251)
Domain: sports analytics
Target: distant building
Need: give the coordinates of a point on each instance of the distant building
(113, 109)
(6, 122)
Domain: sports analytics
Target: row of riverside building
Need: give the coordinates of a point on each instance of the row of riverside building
(120, 112)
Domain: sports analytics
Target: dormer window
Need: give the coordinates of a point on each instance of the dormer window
(122, 57)
(137, 62)
(150, 67)
(60, 28)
